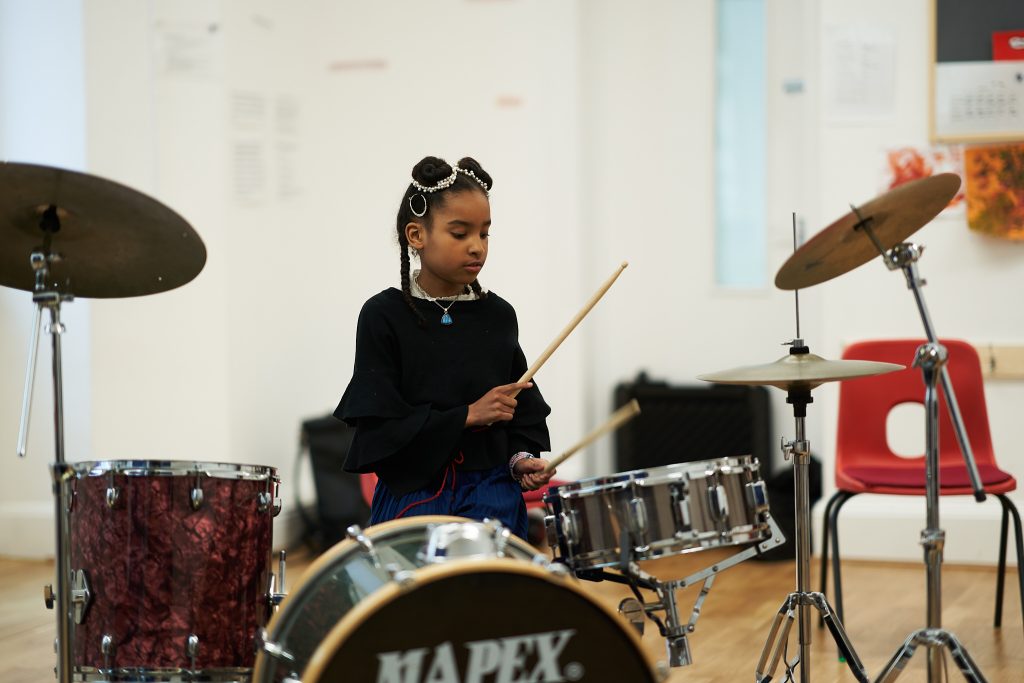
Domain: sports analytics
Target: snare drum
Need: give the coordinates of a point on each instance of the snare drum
(492, 620)
(171, 561)
(358, 567)
(661, 511)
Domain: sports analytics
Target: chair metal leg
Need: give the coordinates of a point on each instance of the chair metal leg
(824, 549)
(837, 577)
(1015, 516)
(997, 620)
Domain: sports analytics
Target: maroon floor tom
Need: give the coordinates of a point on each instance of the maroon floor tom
(170, 563)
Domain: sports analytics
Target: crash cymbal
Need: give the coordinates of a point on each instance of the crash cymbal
(110, 240)
(893, 217)
(800, 370)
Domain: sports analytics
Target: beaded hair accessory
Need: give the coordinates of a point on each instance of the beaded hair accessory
(466, 171)
(443, 184)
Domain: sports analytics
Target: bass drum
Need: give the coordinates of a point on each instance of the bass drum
(358, 567)
(493, 620)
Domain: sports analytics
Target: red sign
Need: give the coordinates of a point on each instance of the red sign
(1008, 45)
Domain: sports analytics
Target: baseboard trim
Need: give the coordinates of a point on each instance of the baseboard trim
(28, 531)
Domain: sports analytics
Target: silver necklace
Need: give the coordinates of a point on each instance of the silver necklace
(446, 319)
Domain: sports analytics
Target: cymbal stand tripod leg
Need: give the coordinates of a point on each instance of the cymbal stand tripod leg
(931, 358)
(802, 600)
(787, 613)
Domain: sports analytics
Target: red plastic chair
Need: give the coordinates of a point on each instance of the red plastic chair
(866, 464)
(368, 482)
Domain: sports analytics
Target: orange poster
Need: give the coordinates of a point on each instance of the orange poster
(904, 164)
(995, 189)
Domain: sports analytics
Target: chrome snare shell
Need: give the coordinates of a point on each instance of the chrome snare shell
(657, 512)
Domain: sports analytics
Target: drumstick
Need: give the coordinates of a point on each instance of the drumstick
(528, 375)
(618, 418)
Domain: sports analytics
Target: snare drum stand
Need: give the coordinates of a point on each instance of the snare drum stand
(670, 626)
(45, 296)
(802, 599)
(931, 358)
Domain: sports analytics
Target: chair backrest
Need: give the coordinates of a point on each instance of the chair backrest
(865, 404)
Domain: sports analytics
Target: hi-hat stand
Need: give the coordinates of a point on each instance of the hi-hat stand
(800, 602)
(931, 358)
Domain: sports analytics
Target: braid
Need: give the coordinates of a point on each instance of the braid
(478, 290)
(406, 289)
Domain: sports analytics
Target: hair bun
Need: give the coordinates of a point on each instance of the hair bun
(471, 164)
(431, 171)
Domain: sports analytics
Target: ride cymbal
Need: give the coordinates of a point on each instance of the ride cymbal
(892, 218)
(800, 370)
(107, 239)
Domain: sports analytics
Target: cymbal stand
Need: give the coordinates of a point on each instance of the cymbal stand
(802, 600)
(905, 257)
(49, 297)
(931, 358)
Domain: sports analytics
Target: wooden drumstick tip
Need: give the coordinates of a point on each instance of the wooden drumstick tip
(532, 370)
(618, 418)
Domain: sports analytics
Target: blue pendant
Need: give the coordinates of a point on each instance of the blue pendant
(446, 319)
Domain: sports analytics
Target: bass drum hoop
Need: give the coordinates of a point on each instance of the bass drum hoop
(91, 674)
(328, 560)
(367, 607)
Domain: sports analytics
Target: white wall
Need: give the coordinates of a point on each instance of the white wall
(649, 126)
(596, 120)
(226, 368)
(42, 121)
(968, 277)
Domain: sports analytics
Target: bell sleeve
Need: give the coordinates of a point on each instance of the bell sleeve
(391, 434)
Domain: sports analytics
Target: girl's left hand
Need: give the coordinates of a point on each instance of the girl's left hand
(531, 471)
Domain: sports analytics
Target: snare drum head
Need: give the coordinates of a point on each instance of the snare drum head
(346, 574)
(489, 620)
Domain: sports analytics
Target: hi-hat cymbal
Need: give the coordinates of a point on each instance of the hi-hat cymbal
(112, 241)
(893, 217)
(800, 371)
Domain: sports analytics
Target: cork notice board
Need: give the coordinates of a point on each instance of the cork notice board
(977, 74)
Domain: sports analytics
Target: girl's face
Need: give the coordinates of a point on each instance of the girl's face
(453, 248)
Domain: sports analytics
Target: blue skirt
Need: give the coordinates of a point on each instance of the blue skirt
(476, 494)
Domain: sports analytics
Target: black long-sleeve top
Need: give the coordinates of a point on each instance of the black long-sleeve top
(411, 389)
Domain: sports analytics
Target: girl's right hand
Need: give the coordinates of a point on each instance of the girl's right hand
(497, 405)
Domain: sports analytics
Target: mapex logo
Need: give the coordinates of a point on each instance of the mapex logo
(507, 660)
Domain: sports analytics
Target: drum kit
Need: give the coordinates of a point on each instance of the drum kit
(164, 568)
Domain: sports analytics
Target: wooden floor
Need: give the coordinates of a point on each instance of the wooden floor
(885, 603)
